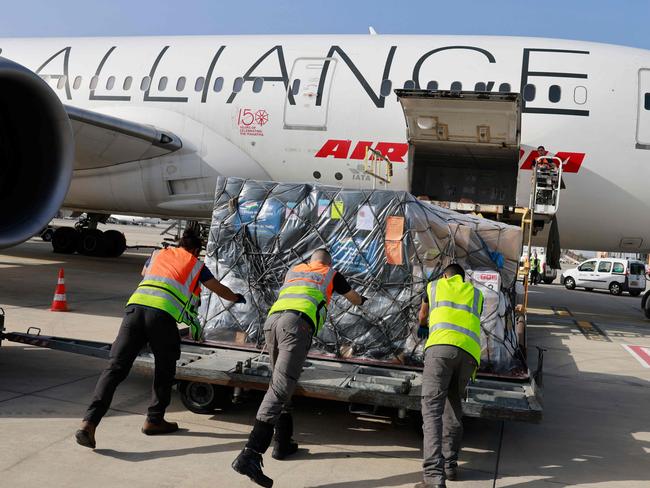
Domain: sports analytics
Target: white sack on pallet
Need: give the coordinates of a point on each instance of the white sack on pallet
(388, 245)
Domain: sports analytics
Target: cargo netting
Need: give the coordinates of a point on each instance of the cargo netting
(387, 244)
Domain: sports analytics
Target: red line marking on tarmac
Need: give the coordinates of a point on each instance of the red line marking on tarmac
(640, 353)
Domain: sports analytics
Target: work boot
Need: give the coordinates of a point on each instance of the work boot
(249, 461)
(424, 484)
(158, 428)
(451, 472)
(284, 445)
(86, 434)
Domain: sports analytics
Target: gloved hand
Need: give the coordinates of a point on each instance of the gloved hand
(240, 298)
(363, 299)
(195, 331)
(423, 332)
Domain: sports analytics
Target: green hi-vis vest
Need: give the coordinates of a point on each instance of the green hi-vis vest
(455, 315)
(171, 284)
(307, 288)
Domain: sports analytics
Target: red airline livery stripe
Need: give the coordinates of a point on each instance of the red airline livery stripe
(340, 148)
(396, 152)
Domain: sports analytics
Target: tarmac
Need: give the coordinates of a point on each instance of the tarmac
(595, 431)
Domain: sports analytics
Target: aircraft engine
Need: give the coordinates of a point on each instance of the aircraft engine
(36, 153)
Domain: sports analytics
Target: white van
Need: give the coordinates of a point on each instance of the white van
(615, 275)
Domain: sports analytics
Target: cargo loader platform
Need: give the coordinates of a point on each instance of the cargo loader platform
(209, 376)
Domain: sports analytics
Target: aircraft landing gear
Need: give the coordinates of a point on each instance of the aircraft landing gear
(85, 238)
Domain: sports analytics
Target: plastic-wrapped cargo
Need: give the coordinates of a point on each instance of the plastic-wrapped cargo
(387, 244)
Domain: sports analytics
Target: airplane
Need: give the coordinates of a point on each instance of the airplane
(144, 126)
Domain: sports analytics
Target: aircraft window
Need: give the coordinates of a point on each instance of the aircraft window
(77, 83)
(199, 84)
(386, 86)
(93, 82)
(554, 93)
(145, 83)
(646, 101)
(409, 85)
(110, 82)
(180, 84)
(238, 84)
(432, 85)
(456, 86)
(580, 95)
(218, 84)
(529, 93)
(128, 81)
(480, 86)
(619, 268)
(604, 266)
(162, 83)
(61, 83)
(257, 85)
(588, 266)
(295, 87)
(504, 88)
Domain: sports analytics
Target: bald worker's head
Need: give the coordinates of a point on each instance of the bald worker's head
(321, 256)
(453, 270)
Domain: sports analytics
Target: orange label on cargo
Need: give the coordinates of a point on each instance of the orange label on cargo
(393, 243)
(394, 228)
(394, 252)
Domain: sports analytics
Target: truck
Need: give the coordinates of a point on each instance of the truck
(463, 155)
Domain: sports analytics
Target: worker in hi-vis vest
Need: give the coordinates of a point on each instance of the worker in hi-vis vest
(169, 293)
(296, 316)
(450, 321)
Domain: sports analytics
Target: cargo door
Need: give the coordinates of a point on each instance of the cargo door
(307, 103)
(643, 115)
(463, 146)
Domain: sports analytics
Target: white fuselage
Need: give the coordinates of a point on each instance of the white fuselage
(590, 99)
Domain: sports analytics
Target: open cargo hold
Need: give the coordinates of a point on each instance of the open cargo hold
(388, 245)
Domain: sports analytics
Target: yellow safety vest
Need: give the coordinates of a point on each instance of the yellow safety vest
(455, 315)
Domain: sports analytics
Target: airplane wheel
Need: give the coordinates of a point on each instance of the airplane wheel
(115, 243)
(65, 240)
(92, 243)
(569, 283)
(47, 234)
(615, 288)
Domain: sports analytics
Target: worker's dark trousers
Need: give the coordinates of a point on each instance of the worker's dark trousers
(288, 339)
(447, 370)
(141, 325)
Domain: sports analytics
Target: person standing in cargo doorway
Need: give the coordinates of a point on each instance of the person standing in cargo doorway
(169, 293)
(450, 321)
(296, 316)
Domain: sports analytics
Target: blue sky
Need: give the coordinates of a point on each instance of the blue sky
(616, 21)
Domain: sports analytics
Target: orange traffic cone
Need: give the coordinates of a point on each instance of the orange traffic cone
(60, 303)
